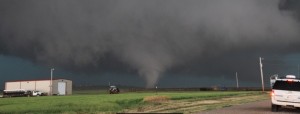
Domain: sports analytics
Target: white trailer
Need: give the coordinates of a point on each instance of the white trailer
(21, 92)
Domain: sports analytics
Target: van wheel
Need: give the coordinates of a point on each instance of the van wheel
(275, 108)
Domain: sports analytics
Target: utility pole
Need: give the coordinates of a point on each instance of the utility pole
(237, 80)
(261, 74)
(223, 82)
(155, 90)
(298, 71)
(52, 69)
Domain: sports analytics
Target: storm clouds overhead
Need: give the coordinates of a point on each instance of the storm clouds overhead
(150, 38)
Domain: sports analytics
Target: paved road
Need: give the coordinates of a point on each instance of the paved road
(261, 107)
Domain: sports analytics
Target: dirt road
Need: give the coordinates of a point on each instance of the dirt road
(261, 107)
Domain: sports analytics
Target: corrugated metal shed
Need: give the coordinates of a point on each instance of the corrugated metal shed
(60, 86)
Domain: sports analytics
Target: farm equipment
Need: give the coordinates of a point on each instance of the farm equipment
(113, 90)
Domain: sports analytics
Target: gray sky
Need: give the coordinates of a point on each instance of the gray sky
(153, 41)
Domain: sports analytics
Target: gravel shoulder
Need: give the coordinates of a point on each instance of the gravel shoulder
(260, 107)
(198, 105)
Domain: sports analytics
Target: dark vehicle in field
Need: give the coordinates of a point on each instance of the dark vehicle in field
(113, 90)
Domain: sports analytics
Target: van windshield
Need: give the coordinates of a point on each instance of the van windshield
(285, 85)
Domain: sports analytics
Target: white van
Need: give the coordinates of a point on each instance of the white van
(286, 93)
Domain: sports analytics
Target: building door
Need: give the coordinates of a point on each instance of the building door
(61, 88)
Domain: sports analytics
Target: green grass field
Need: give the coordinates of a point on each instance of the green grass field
(83, 102)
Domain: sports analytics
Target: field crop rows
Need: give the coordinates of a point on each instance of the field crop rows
(124, 102)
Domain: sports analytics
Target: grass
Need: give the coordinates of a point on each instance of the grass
(82, 102)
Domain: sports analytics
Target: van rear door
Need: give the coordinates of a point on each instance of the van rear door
(287, 91)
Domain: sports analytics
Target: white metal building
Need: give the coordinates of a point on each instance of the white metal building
(60, 86)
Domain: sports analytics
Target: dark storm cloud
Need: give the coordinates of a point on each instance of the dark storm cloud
(149, 37)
